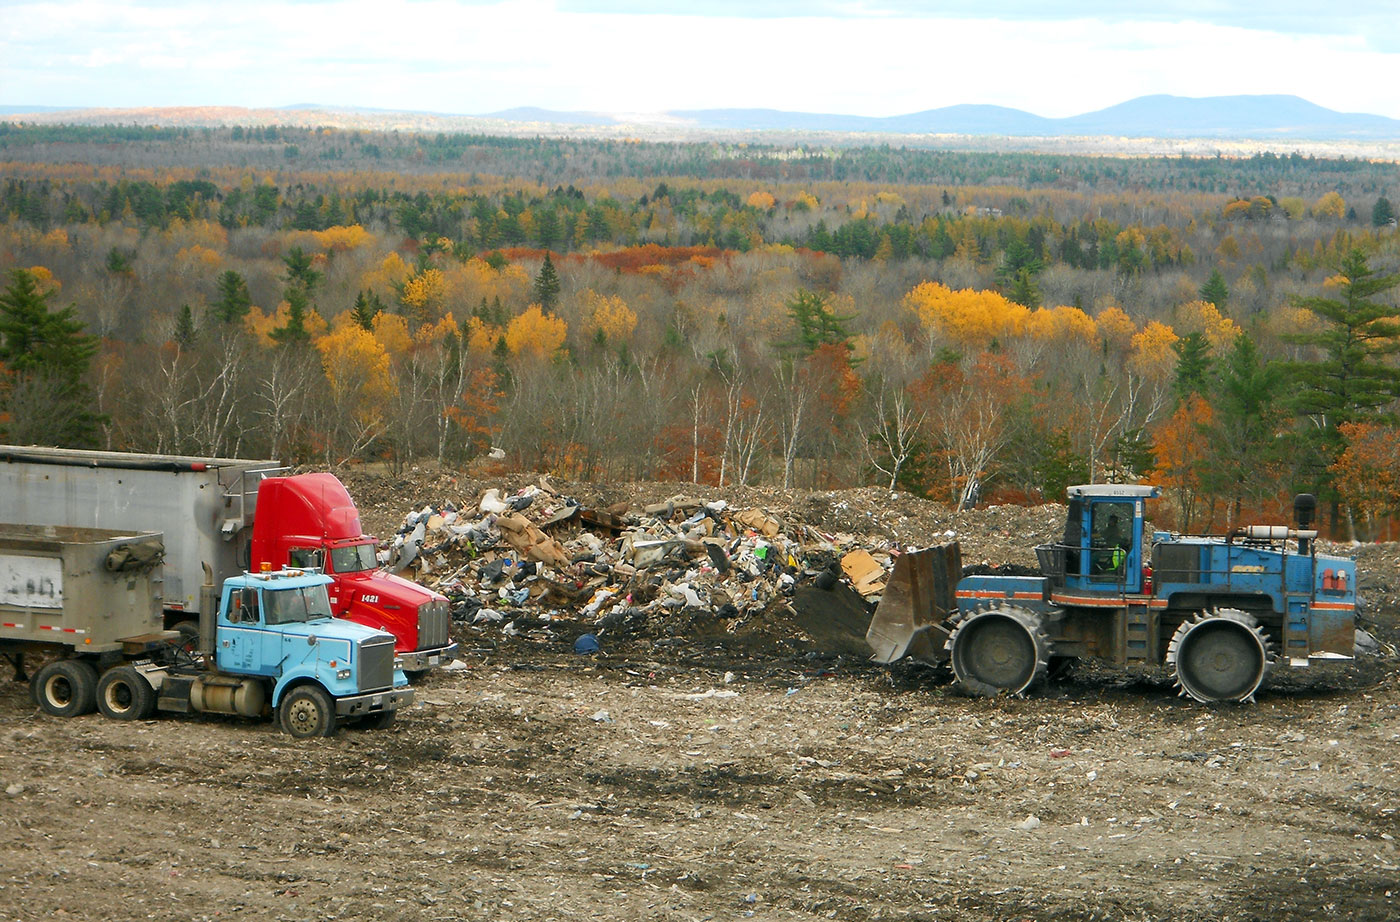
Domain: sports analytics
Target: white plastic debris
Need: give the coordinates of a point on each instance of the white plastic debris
(491, 501)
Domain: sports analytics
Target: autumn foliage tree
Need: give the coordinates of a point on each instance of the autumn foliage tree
(1367, 474)
(969, 409)
(360, 386)
(536, 333)
(1183, 460)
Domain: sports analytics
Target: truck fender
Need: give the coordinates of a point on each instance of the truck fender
(291, 680)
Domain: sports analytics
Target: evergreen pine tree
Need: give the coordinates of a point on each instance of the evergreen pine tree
(547, 287)
(1382, 213)
(1244, 432)
(1353, 380)
(294, 331)
(1193, 362)
(1215, 291)
(45, 400)
(185, 332)
(1356, 379)
(817, 323)
(367, 306)
(299, 271)
(233, 302)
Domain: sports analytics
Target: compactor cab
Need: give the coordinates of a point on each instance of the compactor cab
(1102, 549)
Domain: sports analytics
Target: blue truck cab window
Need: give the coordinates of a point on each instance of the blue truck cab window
(287, 606)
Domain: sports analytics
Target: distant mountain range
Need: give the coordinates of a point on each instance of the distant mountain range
(1212, 118)
(1283, 117)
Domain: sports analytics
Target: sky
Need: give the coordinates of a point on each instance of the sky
(855, 57)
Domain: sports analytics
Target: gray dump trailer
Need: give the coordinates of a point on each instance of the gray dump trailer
(83, 594)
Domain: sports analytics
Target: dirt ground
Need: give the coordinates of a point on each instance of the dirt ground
(703, 769)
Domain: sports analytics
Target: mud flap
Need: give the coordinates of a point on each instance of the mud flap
(919, 598)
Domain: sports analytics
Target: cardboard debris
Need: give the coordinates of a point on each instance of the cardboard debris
(864, 572)
(530, 541)
(760, 521)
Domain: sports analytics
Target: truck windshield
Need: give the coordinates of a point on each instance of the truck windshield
(284, 606)
(354, 558)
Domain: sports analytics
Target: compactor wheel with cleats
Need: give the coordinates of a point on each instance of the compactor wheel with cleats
(1221, 655)
(998, 650)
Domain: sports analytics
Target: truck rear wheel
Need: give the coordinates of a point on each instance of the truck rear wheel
(124, 694)
(65, 688)
(306, 711)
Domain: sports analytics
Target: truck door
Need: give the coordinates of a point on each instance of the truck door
(240, 633)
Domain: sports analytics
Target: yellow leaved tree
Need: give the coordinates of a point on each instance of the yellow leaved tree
(609, 317)
(536, 333)
(359, 390)
(1152, 355)
(1204, 317)
(424, 294)
(967, 317)
(481, 336)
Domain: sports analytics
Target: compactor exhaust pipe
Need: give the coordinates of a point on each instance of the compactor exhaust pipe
(1304, 507)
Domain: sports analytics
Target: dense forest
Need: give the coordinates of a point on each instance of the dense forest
(970, 326)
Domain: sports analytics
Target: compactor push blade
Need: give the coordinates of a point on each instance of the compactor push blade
(918, 599)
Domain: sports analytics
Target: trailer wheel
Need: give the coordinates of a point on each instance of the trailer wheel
(124, 694)
(65, 688)
(306, 711)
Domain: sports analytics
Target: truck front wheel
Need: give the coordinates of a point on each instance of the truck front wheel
(124, 694)
(307, 711)
(65, 688)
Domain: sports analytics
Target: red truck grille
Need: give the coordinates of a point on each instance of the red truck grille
(433, 618)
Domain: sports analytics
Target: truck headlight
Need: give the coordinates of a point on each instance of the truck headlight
(343, 674)
(398, 662)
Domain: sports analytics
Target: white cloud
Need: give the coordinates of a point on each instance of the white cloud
(476, 57)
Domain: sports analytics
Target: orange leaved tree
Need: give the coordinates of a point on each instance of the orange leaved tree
(1367, 475)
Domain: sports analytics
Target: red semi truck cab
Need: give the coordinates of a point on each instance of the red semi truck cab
(309, 520)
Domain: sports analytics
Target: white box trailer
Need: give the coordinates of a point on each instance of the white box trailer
(204, 506)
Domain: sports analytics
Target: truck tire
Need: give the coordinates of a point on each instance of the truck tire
(189, 636)
(306, 711)
(997, 651)
(65, 688)
(124, 694)
(1221, 655)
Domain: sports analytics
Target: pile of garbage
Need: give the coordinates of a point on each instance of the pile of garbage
(519, 560)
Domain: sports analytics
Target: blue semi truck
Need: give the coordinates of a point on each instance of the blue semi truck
(89, 602)
(1219, 611)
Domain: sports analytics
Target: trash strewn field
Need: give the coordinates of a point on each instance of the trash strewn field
(709, 764)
